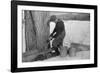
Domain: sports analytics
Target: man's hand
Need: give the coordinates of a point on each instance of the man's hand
(50, 38)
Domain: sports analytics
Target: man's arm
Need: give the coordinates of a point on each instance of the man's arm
(52, 34)
(59, 29)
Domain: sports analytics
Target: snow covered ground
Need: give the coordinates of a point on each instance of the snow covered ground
(79, 55)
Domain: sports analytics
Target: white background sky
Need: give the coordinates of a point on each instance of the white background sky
(5, 36)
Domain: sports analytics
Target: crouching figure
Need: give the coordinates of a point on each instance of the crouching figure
(57, 35)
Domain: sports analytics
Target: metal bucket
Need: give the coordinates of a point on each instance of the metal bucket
(72, 52)
(63, 51)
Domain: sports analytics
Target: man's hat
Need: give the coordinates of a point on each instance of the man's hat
(53, 18)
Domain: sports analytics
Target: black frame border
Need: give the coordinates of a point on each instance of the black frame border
(14, 5)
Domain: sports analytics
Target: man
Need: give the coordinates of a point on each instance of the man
(58, 33)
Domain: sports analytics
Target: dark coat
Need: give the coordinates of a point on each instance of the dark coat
(59, 28)
(58, 33)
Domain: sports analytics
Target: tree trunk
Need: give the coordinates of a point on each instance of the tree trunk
(30, 35)
(36, 30)
(42, 29)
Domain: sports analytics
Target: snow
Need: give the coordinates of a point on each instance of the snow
(79, 55)
(77, 32)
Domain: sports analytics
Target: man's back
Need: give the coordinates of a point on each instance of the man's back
(59, 28)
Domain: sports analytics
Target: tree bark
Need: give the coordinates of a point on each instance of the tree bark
(36, 30)
(30, 35)
(42, 29)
